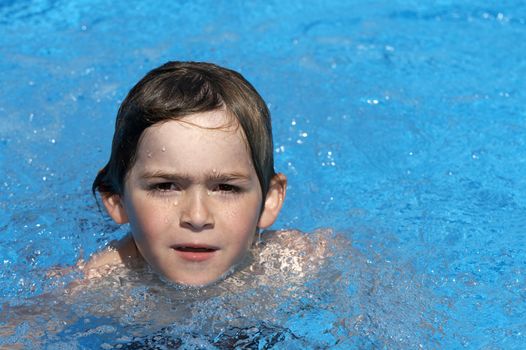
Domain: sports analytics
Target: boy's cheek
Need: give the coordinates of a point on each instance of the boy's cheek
(244, 216)
(148, 220)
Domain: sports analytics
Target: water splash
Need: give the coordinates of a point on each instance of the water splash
(293, 290)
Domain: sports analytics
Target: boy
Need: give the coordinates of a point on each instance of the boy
(191, 169)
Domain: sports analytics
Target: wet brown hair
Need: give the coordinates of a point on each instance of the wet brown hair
(178, 89)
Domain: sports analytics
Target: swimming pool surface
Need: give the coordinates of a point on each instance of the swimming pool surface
(400, 124)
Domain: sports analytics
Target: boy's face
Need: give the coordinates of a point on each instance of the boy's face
(193, 198)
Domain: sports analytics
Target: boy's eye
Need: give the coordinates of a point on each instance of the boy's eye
(227, 188)
(165, 187)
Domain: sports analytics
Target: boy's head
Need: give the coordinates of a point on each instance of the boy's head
(191, 170)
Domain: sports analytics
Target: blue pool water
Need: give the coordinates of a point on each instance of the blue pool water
(400, 124)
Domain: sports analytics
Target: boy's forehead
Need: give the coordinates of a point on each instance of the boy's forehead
(195, 145)
(215, 126)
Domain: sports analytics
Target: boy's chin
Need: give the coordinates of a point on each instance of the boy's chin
(196, 279)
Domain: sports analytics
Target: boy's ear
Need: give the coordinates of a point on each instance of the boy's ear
(115, 208)
(273, 201)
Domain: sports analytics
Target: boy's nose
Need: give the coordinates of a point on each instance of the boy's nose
(195, 213)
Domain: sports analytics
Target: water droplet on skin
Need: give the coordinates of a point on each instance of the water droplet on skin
(175, 203)
(208, 193)
(214, 170)
(163, 149)
(149, 154)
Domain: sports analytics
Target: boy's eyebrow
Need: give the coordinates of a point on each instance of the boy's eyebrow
(215, 176)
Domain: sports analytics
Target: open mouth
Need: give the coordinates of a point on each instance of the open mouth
(195, 253)
(195, 249)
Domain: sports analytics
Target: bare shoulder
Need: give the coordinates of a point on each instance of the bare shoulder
(118, 253)
(304, 243)
(296, 250)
